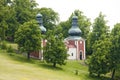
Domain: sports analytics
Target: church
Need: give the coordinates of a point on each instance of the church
(75, 44)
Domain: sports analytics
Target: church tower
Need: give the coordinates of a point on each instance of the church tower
(39, 54)
(74, 42)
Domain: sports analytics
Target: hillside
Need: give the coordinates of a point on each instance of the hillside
(16, 67)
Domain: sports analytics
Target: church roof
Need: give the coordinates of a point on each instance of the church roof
(74, 38)
(74, 30)
(40, 22)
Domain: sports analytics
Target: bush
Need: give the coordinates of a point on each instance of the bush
(10, 49)
(3, 45)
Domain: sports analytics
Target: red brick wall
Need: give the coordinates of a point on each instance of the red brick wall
(35, 54)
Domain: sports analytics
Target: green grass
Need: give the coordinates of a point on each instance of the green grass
(16, 67)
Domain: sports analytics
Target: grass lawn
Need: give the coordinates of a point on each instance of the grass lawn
(17, 67)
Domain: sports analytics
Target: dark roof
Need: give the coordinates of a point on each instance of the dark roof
(74, 30)
(40, 22)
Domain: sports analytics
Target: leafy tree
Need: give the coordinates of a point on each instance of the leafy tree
(20, 11)
(12, 23)
(4, 10)
(13, 13)
(115, 49)
(28, 37)
(24, 10)
(99, 28)
(55, 51)
(99, 61)
(65, 27)
(50, 17)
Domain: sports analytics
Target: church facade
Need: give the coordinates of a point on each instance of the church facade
(76, 49)
(75, 44)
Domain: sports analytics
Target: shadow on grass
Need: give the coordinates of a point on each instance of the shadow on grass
(19, 58)
(49, 66)
(23, 59)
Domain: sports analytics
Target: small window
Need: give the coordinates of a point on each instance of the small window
(80, 42)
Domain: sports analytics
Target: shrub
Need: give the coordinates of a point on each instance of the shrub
(3, 45)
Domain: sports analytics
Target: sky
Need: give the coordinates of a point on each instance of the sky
(90, 8)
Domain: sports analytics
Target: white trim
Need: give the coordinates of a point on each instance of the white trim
(76, 50)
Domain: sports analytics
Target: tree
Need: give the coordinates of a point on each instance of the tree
(24, 10)
(65, 27)
(4, 16)
(99, 28)
(11, 22)
(50, 17)
(21, 11)
(13, 13)
(28, 37)
(115, 49)
(99, 61)
(55, 51)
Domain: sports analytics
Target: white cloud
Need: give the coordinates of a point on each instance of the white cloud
(90, 8)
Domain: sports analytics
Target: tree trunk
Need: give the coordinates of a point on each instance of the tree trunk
(54, 64)
(28, 56)
(113, 74)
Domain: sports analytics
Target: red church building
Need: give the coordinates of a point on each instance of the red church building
(75, 44)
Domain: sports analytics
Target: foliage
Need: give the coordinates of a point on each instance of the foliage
(99, 61)
(99, 28)
(3, 45)
(115, 49)
(10, 49)
(4, 9)
(13, 13)
(28, 37)
(24, 10)
(55, 51)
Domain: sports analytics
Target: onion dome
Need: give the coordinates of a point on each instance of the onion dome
(74, 30)
(40, 22)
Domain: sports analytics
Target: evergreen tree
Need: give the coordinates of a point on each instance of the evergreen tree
(99, 61)
(115, 49)
(99, 28)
